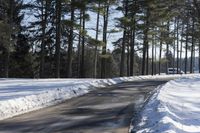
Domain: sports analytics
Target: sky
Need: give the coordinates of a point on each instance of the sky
(111, 25)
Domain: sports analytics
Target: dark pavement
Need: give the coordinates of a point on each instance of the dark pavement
(105, 110)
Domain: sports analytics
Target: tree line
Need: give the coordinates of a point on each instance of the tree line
(51, 38)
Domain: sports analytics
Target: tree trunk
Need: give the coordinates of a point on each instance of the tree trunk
(167, 53)
(128, 60)
(181, 47)
(96, 47)
(79, 46)
(192, 48)
(155, 56)
(70, 46)
(177, 39)
(82, 66)
(147, 60)
(132, 53)
(145, 43)
(7, 52)
(42, 52)
(152, 61)
(186, 47)
(123, 54)
(124, 42)
(7, 61)
(199, 55)
(160, 56)
(105, 27)
(195, 2)
(174, 47)
(58, 28)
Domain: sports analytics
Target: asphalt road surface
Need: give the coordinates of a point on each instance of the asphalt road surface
(105, 110)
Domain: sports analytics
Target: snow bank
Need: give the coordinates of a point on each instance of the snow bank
(174, 108)
(18, 96)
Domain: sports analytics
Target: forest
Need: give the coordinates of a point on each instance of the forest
(73, 38)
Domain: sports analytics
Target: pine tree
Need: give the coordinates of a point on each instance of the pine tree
(58, 36)
(70, 41)
(124, 39)
(42, 33)
(10, 20)
(105, 30)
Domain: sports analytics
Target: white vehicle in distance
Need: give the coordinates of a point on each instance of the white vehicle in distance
(174, 71)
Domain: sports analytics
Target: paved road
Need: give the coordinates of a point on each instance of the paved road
(106, 110)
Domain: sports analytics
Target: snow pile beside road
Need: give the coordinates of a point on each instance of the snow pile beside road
(18, 96)
(175, 108)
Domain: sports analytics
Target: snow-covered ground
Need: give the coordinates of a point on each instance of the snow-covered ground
(18, 96)
(174, 108)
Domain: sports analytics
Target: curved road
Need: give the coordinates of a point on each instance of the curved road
(105, 110)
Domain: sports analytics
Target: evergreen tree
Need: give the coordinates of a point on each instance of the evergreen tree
(10, 20)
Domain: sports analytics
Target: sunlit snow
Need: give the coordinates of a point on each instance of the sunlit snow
(174, 108)
(18, 96)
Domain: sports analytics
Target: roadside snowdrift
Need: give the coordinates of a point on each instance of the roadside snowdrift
(18, 96)
(175, 108)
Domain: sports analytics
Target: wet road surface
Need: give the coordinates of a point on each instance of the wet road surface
(105, 110)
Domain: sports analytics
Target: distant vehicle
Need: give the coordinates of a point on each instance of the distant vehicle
(174, 71)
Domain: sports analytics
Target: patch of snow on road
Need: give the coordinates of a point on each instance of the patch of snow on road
(174, 108)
